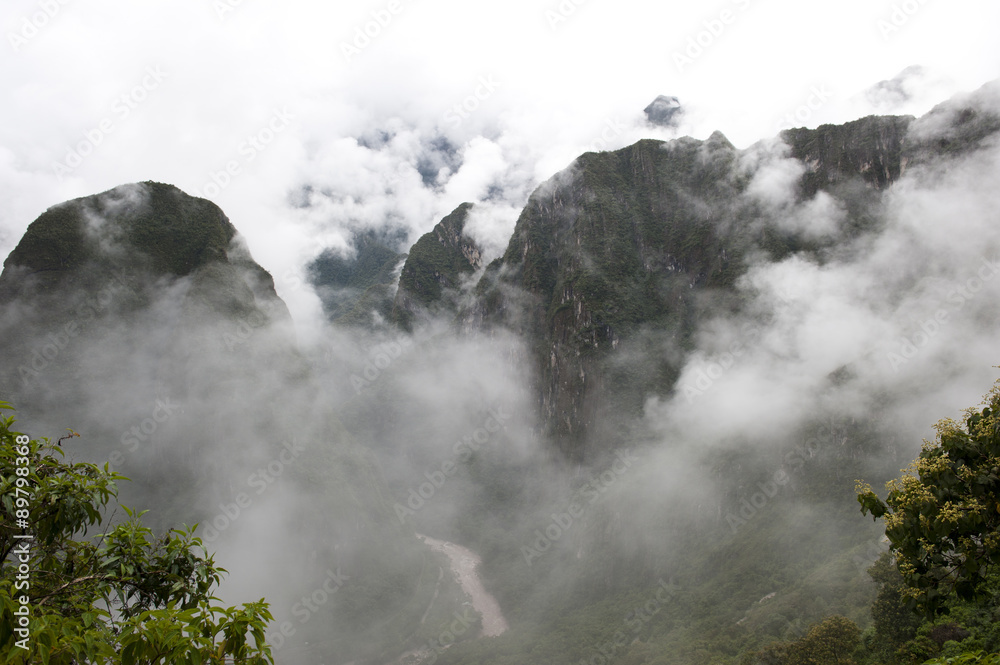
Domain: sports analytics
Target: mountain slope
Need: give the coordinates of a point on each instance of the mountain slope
(647, 285)
(139, 318)
(619, 246)
(436, 266)
(352, 288)
(624, 252)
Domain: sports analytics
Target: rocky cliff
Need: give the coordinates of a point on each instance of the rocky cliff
(436, 265)
(627, 250)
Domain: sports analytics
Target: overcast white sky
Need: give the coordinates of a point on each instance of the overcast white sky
(562, 78)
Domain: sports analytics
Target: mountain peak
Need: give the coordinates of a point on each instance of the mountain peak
(436, 263)
(663, 111)
(175, 233)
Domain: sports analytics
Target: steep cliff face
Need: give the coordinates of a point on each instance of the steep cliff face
(871, 149)
(435, 267)
(615, 260)
(618, 245)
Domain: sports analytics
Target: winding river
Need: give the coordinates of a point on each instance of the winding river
(464, 563)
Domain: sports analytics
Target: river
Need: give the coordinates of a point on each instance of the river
(464, 564)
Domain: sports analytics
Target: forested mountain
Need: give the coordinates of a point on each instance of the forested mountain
(647, 415)
(139, 318)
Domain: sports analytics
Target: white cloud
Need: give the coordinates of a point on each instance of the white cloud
(560, 92)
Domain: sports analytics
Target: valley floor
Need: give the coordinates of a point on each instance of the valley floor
(464, 563)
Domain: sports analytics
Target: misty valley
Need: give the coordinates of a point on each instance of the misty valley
(655, 427)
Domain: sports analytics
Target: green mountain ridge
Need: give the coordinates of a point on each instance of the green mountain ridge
(354, 288)
(146, 294)
(435, 268)
(139, 318)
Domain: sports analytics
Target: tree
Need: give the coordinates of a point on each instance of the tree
(979, 658)
(833, 641)
(942, 517)
(893, 618)
(830, 642)
(120, 597)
